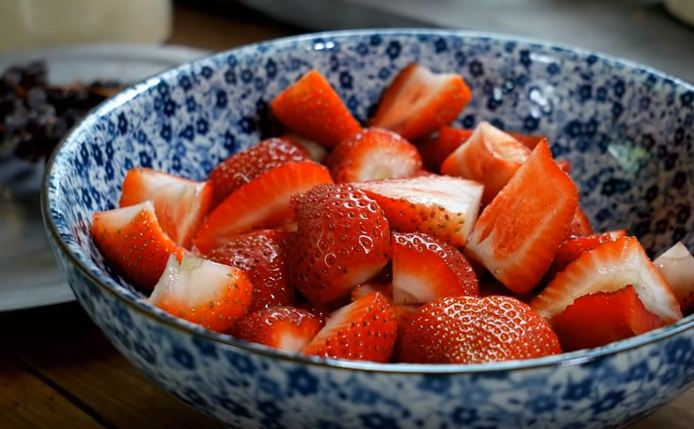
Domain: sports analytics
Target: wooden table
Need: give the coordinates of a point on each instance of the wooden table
(56, 368)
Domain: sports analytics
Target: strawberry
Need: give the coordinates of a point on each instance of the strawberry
(242, 167)
(436, 149)
(443, 207)
(366, 329)
(371, 154)
(426, 269)
(262, 203)
(470, 330)
(311, 108)
(573, 247)
(283, 328)
(580, 225)
(180, 204)
(209, 294)
(517, 234)
(489, 156)
(132, 241)
(677, 267)
(419, 102)
(262, 256)
(607, 268)
(366, 288)
(315, 151)
(342, 240)
(603, 317)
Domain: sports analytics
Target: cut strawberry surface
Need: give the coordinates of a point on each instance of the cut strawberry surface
(419, 102)
(426, 269)
(311, 108)
(283, 328)
(607, 268)
(203, 292)
(677, 267)
(490, 156)
(366, 288)
(580, 225)
(518, 233)
(436, 149)
(472, 330)
(342, 240)
(443, 207)
(373, 153)
(315, 151)
(603, 317)
(261, 254)
(132, 241)
(363, 330)
(242, 167)
(573, 247)
(262, 203)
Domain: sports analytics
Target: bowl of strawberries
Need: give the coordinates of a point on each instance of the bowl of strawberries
(401, 228)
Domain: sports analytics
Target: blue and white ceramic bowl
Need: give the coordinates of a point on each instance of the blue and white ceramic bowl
(626, 129)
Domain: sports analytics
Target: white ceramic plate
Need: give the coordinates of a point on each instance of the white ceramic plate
(29, 276)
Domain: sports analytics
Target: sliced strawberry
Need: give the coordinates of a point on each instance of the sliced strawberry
(363, 330)
(311, 108)
(262, 203)
(436, 149)
(529, 140)
(261, 254)
(132, 241)
(677, 267)
(518, 233)
(315, 151)
(283, 328)
(489, 156)
(580, 225)
(443, 207)
(426, 269)
(342, 240)
(371, 154)
(204, 292)
(180, 204)
(573, 247)
(607, 268)
(242, 167)
(366, 288)
(469, 329)
(603, 317)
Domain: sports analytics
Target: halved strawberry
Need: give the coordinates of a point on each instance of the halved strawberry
(132, 241)
(261, 254)
(677, 267)
(283, 328)
(311, 108)
(426, 269)
(573, 247)
(607, 268)
(518, 233)
(315, 151)
(490, 156)
(436, 149)
(443, 207)
(204, 292)
(180, 204)
(603, 317)
(262, 203)
(469, 330)
(342, 240)
(363, 330)
(366, 288)
(580, 225)
(419, 102)
(242, 167)
(373, 153)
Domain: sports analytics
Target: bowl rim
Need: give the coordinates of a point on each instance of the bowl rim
(226, 341)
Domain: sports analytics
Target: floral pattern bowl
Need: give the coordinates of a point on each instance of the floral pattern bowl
(626, 129)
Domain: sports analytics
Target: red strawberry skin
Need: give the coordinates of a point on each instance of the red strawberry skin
(261, 254)
(426, 269)
(472, 330)
(311, 108)
(371, 154)
(574, 246)
(282, 327)
(366, 329)
(342, 240)
(240, 168)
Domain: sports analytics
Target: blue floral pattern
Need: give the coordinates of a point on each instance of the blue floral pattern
(626, 130)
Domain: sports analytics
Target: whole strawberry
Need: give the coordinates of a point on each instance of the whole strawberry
(342, 240)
